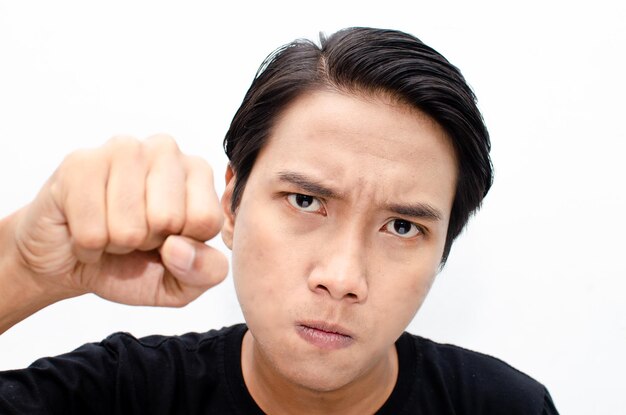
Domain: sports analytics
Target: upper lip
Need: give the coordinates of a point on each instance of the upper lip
(327, 327)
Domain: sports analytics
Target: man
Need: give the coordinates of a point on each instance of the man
(353, 167)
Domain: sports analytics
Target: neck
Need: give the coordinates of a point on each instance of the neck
(274, 393)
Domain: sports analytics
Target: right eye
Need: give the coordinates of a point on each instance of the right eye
(305, 203)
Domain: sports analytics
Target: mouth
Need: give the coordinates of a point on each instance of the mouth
(324, 335)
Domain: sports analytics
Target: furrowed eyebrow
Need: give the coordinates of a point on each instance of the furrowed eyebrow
(417, 210)
(307, 184)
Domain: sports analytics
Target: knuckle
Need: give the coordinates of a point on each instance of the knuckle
(197, 162)
(122, 141)
(128, 237)
(125, 146)
(163, 142)
(90, 238)
(166, 223)
(73, 165)
(207, 222)
(75, 160)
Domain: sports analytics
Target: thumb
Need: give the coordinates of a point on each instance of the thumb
(193, 263)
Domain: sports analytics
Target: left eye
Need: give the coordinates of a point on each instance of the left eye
(402, 228)
(304, 203)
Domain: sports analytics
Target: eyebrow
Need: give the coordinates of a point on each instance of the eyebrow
(309, 185)
(416, 210)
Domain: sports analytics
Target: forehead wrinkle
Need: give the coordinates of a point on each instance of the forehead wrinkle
(379, 145)
(371, 168)
(317, 186)
(382, 148)
(314, 186)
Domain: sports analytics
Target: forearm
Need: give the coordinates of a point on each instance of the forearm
(20, 295)
(16, 304)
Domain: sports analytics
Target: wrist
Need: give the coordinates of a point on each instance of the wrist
(22, 293)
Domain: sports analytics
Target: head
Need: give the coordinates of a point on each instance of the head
(353, 166)
(369, 61)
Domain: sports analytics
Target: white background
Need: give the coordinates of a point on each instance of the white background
(538, 279)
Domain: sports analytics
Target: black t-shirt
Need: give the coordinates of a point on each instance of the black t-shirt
(201, 374)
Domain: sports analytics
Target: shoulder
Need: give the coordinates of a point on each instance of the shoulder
(191, 342)
(192, 364)
(476, 381)
(474, 368)
(123, 353)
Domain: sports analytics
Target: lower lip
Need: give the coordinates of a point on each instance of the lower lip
(324, 339)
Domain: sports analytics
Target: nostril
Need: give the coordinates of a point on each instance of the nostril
(322, 287)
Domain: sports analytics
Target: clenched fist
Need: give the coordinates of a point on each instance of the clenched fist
(126, 221)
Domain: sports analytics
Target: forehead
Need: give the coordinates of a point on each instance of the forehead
(362, 143)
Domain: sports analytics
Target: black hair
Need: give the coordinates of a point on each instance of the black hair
(374, 61)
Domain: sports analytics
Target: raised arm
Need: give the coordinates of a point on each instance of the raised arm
(126, 221)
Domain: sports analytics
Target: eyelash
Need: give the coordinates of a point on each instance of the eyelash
(292, 199)
(412, 226)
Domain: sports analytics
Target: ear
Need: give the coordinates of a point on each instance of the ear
(229, 215)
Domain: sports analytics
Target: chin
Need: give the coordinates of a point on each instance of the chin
(320, 381)
(317, 375)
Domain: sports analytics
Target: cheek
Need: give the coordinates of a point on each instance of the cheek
(402, 292)
(263, 265)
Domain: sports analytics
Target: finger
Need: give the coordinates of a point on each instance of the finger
(165, 190)
(126, 217)
(204, 217)
(81, 181)
(192, 268)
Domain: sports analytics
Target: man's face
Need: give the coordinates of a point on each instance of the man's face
(339, 234)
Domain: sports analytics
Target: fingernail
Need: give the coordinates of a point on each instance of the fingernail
(181, 254)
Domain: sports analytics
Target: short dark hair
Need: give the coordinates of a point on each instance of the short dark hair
(374, 61)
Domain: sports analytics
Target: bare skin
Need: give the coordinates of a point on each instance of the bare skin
(126, 221)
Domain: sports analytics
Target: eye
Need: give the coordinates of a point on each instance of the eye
(305, 203)
(402, 228)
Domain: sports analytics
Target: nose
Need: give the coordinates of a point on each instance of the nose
(341, 270)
